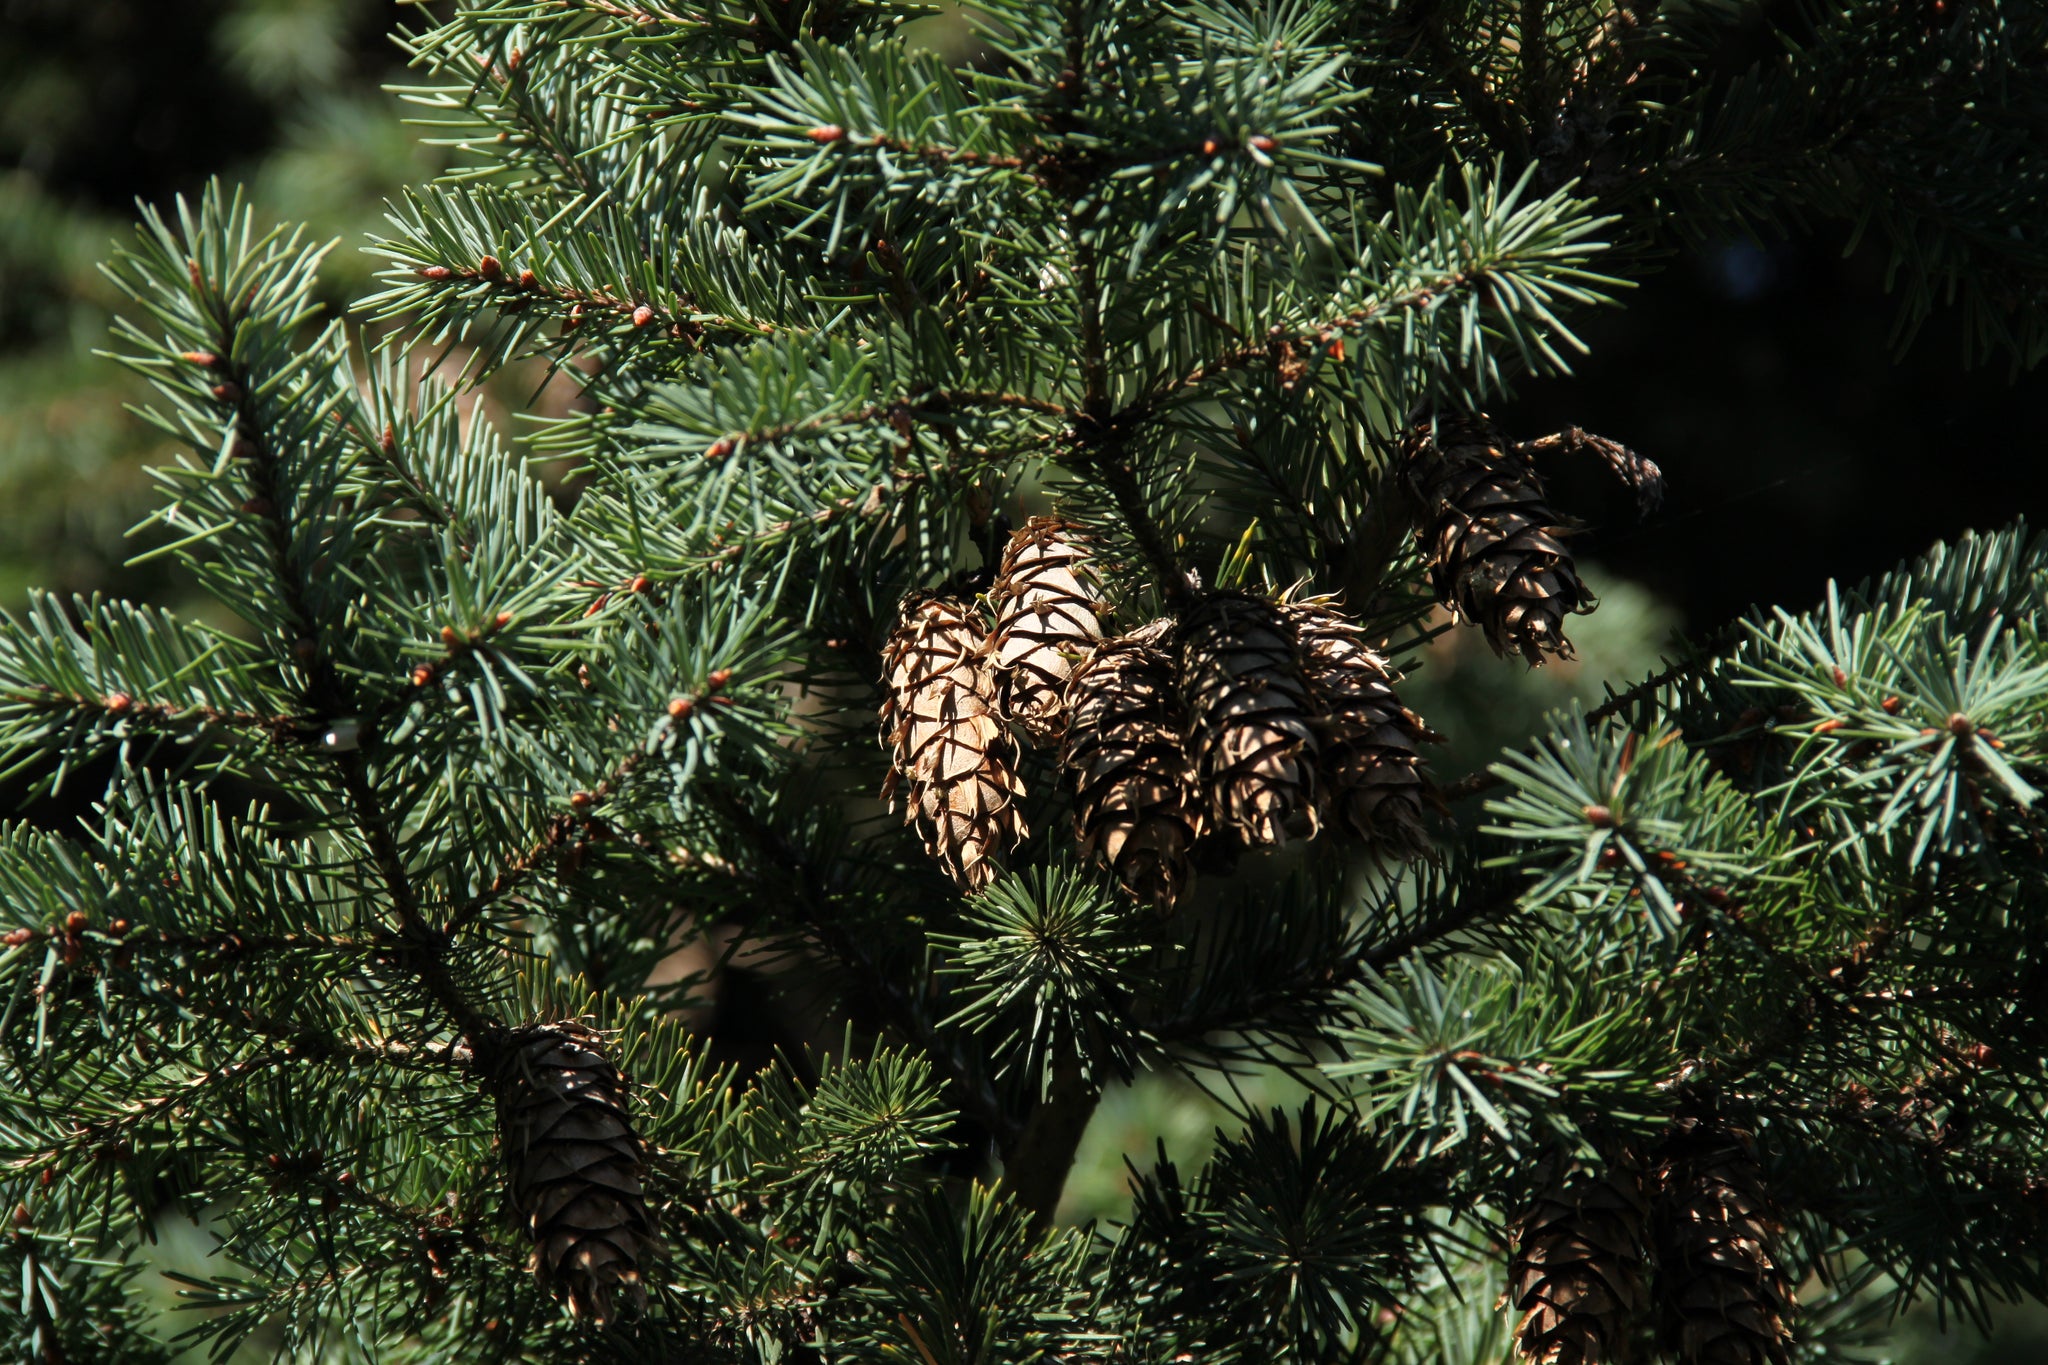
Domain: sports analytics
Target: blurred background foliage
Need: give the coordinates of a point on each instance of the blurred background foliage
(1762, 375)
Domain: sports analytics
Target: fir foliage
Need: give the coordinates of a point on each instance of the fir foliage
(837, 306)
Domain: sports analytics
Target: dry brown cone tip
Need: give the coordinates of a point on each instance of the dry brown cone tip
(1494, 547)
(1250, 728)
(1135, 803)
(952, 756)
(1722, 1297)
(573, 1167)
(1576, 1276)
(1047, 599)
(1370, 763)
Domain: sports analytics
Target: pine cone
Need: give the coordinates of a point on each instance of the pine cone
(1495, 548)
(948, 746)
(1577, 1272)
(1135, 805)
(1369, 766)
(1249, 709)
(573, 1166)
(1722, 1298)
(1046, 596)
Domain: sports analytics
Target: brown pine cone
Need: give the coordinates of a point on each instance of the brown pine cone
(1495, 548)
(1369, 764)
(1722, 1297)
(573, 1166)
(953, 756)
(1135, 802)
(1046, 598)
(1576, 1276)
(1249, 711)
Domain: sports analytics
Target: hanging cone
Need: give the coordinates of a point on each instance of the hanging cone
(1576, 1276)
(953, 756)
(1248, 705)
(1722, 1297)
(573, 1167)
(1135, 804)
(1495, 548)
(1046, 598)
(1369, 764)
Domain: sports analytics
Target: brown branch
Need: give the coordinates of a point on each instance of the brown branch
(120, 706)
(526, 864)
(515, 292)
(1279, 345)
(325, 695)
(1036, 1164)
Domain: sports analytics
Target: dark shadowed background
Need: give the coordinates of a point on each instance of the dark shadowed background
(1799, 442)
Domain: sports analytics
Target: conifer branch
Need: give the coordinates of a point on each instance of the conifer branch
(869, 977)
(1704, 654)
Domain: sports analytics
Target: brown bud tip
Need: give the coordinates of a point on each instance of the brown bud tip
(513, 59)
(719, 678)
(76, 921)
(346, 1178)
(1892, 706)
(639, 583)
(1828, 727)
(435, 272)
(47, 1178)
(119, 702)
(1210, 146)
(14, 938)
(489, 268)
(718, 449)
(642, 315)
(1959, 725)
(21, 1215)
(595, 607)
(830, 132)
(1599, 817)
(119, 926)
(1841, 677)
(583, 678)
(276, 1162)
(387, 440)
(681, 707)
(581, 800)
(492, 1327)
(205, 358)
(422, 675)
(502, 620)
(527, 280)
(228, 393)
(1262, 143)
(449, 637)
(574, 320)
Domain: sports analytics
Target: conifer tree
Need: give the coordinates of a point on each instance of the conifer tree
(1097, 413)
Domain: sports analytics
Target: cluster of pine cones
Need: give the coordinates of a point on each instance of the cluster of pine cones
(1580, 1273)
(1244, 720)
(1239, 723)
